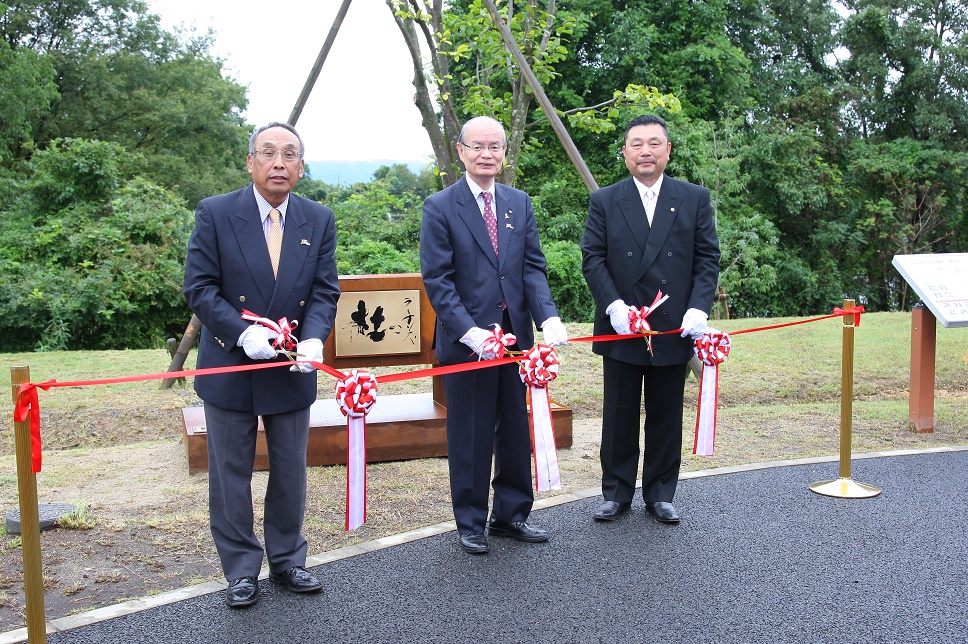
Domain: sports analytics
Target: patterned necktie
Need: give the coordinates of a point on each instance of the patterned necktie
(490, 220)
(274, 240)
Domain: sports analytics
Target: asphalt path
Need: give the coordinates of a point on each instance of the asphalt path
(758, 557)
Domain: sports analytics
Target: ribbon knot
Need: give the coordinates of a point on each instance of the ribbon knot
(498, 342)
(856, 311)
(284, 340)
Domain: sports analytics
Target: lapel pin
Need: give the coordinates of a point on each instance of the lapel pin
(509, 226)
(506, 216)
(304, 242)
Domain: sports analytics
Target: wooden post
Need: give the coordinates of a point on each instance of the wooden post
(543, 99)
(318, 65)
(181, 354)
(29, 519)
(923, 346)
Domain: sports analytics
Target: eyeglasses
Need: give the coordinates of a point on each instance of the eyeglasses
(638, 145)
(268, 154)
(477, 148)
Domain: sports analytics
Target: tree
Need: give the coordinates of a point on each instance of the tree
(120, 77)
(92, 257)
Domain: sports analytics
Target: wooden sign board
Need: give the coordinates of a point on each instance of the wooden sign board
(941, 281)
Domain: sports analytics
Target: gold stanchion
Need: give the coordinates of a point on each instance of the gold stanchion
(844, 487)
(29, 520)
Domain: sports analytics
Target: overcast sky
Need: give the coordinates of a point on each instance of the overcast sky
(361, 107)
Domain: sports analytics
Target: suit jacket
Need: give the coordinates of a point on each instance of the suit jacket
(623, 258)
(228, 270)
(467, 285)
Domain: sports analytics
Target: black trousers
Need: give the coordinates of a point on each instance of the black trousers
(623, 388)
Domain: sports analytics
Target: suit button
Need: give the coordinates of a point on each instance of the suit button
(502, 276)
(663, 281)
(241, 298)
(669, 254)
(302, 302)
(636, 283)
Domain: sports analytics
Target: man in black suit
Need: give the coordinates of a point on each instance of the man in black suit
(482, 265)
(646, 234)
(240, 241)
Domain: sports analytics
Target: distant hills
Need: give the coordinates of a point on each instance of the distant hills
(346, 173)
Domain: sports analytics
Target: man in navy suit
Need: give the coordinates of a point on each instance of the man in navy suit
(482, 266)
(230, 268)
(645, 234)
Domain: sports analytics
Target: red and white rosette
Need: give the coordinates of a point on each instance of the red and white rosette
(355, 395)
(638, 318)
(712, 349)
(285, 340)
(498, 341)
(538, 367)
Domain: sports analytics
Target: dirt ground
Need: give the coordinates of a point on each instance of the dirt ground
(150, 532)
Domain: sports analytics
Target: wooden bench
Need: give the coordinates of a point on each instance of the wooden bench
(398, 427)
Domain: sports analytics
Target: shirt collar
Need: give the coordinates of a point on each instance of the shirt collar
(476, 190)
(265, 207)
(642, 187)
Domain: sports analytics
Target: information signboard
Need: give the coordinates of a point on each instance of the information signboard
(941, 281)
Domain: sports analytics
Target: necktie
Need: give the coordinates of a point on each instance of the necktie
(649, 201)
(490, 220)
(274, 240)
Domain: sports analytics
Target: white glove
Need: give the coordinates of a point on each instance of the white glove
(618, 313)
(554, 331)
(255, 342)
(694, 323)
(309, 349)
(475, 339)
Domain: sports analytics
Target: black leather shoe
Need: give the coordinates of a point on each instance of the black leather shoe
(297, 579)
(243, 591)
(516, 530)
(611, 510)
(663, 511)
(476, 544)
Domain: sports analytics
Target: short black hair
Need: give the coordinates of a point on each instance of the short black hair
(647, 119)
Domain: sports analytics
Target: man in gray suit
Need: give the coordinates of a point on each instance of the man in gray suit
(482, 266)
(241, 241)
(646, 234)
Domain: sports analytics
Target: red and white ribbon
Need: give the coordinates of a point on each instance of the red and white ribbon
(638, 322)
(712, 348)
(538, 367)
(284, 340)
(355, 395)
(498, 341)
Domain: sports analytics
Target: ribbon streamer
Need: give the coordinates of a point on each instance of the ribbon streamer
(538, 367)
(711, 348)
(355, 394)
(285, 340)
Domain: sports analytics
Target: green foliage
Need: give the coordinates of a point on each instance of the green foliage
(105, 70)
(94, 260)
(568, 287)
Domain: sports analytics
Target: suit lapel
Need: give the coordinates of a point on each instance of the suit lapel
(252, 241)
(470, 213)
(505, 218)
(632, 208)
(666, 210)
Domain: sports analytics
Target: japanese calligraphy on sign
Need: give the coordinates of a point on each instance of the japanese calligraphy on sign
(372, 323)
(941, 281)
